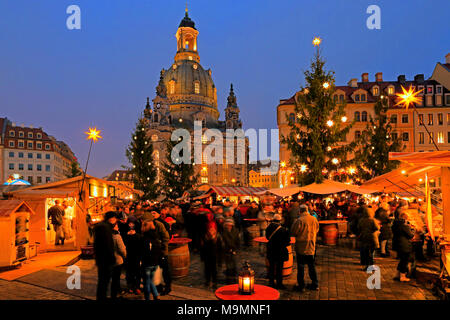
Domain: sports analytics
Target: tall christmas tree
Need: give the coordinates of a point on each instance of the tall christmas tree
(375, 144)
(177, 178)
(318, 131)
(140, 155)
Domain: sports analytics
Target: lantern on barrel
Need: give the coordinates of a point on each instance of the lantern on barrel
(246, 280)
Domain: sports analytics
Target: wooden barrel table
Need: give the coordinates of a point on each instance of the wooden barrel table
(329, 231)
(179, 258)
(287, 265)
(253, 231)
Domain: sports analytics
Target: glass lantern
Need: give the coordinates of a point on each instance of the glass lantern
(246, 280)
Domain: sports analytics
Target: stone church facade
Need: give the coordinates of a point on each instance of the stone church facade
(186, 93)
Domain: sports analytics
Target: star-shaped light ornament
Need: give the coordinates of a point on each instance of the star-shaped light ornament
(317, 41)
(93, 134)
(408, 97)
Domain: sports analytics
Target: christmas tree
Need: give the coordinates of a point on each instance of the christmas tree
(318, 131)
(75, 170)
(375, 144)
(177, 178)
(140, 155)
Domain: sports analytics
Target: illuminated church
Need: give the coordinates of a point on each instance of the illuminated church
(186, 93)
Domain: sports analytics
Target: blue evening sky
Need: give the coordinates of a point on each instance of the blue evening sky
(67, 80)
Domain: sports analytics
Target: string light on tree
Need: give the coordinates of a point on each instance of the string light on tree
(330, 123)
(335, 161)
(344, 119)
(326, 85)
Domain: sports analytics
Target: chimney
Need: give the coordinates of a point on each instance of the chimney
(365, 77)
(447, 58)
(379, 76)
(353, 83)
(419, 78)
(401, 78)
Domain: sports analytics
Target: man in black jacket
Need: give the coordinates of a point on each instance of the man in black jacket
(104, 252)
(277, 253)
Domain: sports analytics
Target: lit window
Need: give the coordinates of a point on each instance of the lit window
(440, 119)
(390, 91)
(172, 87)
(375, 91)
(430, 119)
(431, 137)
(421, 119)
(204, 180)
(197, 87)
(440, 137)
(421, 138)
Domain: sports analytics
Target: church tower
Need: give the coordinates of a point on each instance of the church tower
(187, 40)
(232, 120)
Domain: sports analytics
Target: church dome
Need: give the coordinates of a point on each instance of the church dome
(188, 83)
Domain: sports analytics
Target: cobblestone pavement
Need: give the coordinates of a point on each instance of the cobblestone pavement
(340, 278)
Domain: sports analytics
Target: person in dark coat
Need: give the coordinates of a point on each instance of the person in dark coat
(293, 213)
(230, 236)
(105, 258)
(385, 220)
(403, 233)
(151, 255)
(56, 214)
(368, 236)
(277, 253)
(133, 241)
(211, 247)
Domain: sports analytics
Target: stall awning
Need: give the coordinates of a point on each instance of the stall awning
(432, 158)
(329, 187)
(282, 192)
(236, 191)
(45, 193)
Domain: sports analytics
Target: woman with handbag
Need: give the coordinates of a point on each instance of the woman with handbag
(277, 253)
(151, 255)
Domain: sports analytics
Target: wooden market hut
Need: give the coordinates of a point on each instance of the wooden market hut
(92, 197)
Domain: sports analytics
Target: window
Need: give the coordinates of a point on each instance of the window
(30, 179)
(47, 156)
(30, 167)
(47, 179)
(440, 137)
(357, 97)
(341, 98)
(38, 145)
(420, 88)
(204, 180)
(357, 134)
(357, 116)
(448, 137)
(11, 144)
(30, 135)
(394, 136)
(12, 133)
(363, 98)
(20, 154)
(11, 166)
(196, 87)
(39, 179)
(30, 155)
(390, 91)
(291, 117)
(440, 119)
(39, 167)
(394, 118)
(171, 87)
(21, 134)
(405, 136)
(364, 116)
(39, 135)
(21, 166)
(47, 168)
(421, 138)
(38, 156)
(431, 137)
(375, 91)
(447, 99)
(429, 89)
(438, 89)
(430, 119)
(421, 119)
(47, 146)
(20, 144)
(11, 154)
(30, 145)
(405, 118)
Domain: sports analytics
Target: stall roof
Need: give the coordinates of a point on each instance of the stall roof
(45, 193)
(432, 158)
(9, 206)
(236, 191)
(330, 186)
(282, 192)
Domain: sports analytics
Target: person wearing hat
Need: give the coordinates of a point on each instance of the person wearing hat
(230, 236)
(132, 240)
(105, 258)
(277, 252)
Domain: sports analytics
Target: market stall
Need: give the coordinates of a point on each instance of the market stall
(84, 204)
(235, 194)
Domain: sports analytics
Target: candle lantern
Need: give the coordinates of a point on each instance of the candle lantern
(246, 280)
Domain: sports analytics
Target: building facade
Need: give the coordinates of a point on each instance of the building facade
(360, 98)
(32, 154)
(186, 94)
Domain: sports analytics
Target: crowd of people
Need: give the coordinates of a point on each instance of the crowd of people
(135, 238)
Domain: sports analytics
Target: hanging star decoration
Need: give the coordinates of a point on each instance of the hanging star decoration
(408, 97)
(317, 41)
(93, 134)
